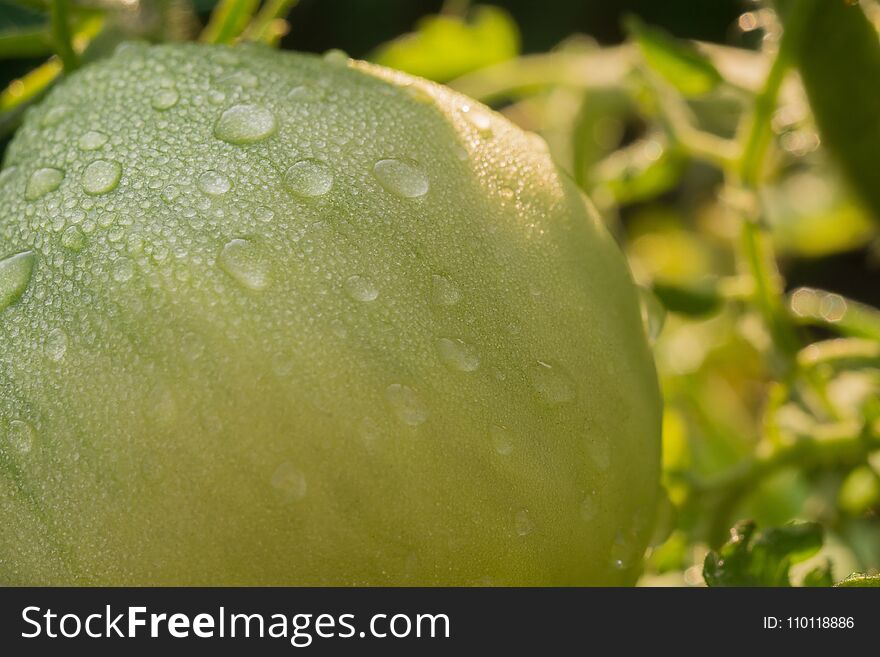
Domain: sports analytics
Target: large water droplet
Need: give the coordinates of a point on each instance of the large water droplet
(54, 116)
(101, 176)
(443, 291)
(406, 404)
(245, 124)
(653, 313)
(479, 119)
(73, 239)
(244, 79)
(92, 140)
(403, 178)
(360, 288)
(664, 518)
(289, 481)
(501, 438)
(21, 436)
(457, 354)
(309, 178)
(551, 383)
(56, 345)
(523, 523)
(306, 93)
(336, 56)
(214, 183)
(43, 181)
(15, 274)
(165, 99)
(589, 506)
(623, 551)
(244, 261)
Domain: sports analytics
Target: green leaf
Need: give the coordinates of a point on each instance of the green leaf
(729, 566)
(228, 20)
(858, 580)
(444, 47)
(25, 43)
(692, 300)
(761, 559)
(820, 576)
(640, 171)
(679, 63)
(839, 61)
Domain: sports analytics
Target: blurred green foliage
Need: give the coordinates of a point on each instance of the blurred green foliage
(741, 192)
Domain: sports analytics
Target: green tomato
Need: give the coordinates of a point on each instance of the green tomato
(273, 319)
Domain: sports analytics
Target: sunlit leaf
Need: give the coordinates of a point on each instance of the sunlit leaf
(639, 172)
(860, 581)
(444, 47)
(761, 559)
(839, 62)
(859, 491)
(679, 63)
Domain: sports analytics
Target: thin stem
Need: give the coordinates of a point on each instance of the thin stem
(62, 36)
(264, 27)
(759, 127)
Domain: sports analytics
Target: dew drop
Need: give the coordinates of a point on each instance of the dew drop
(54, 116)
(43, 181)
(15, 275)
(264, 214)
(243, 261)
(164, 99)
(406, 404)
(479, 119)
(443, 291)
(308, 178)
(523, 523)
(73, 239)
(101, 176)
(623, 552)
(551, 383)
(243, 79)
(589, 507)
(92, 140)
(289, 482)
(245, 124)
(457, 354)
(501, 438)
(123, 270)
(214, 183)
(56, 345)
(360, 288)
(418, 93)
(21, 436)
(403, 178)
(304, 93)
(336, 57)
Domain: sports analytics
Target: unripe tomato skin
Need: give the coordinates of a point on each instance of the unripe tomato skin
(294, 321)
